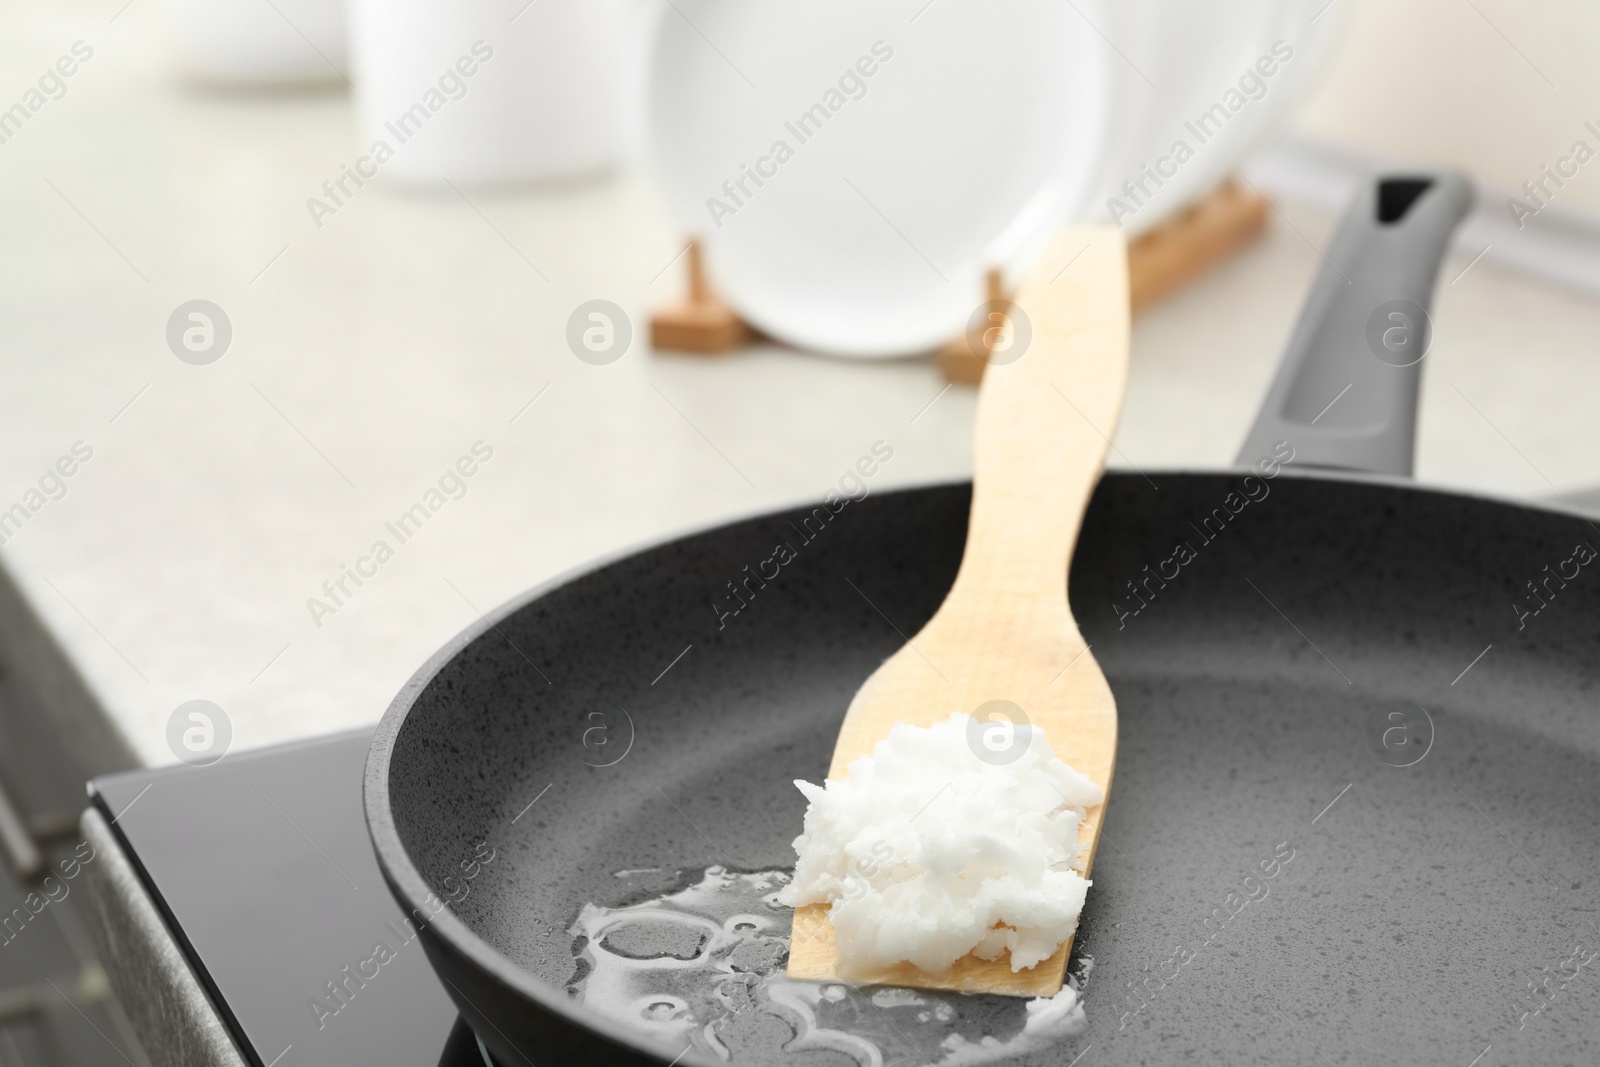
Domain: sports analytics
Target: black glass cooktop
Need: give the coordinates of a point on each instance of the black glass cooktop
(263, 870)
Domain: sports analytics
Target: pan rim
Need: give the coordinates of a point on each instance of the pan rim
(407, 882)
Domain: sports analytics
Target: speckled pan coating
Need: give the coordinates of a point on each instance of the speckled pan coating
(1406, 928)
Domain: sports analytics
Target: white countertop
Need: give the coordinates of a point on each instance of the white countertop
(374, 351)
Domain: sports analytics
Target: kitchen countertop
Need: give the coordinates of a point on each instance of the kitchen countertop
(371, 353)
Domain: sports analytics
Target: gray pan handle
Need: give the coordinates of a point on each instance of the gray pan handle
(1345, 395)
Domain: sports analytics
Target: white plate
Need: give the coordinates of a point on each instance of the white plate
(868, 232)
(1197, 54)
(1136, 52)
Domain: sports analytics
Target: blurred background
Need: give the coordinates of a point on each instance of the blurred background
(240, 342)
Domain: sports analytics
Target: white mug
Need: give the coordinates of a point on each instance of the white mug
(253, 42)
(489, 91)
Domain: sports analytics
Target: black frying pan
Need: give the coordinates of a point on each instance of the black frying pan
(1344, 670)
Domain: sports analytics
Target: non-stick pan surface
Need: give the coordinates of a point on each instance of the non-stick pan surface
(1349, 671)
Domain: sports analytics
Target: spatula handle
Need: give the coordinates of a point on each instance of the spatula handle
(1047, 410)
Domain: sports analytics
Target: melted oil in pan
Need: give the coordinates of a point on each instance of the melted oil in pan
(702, 966)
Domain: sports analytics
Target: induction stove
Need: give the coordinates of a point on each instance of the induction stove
(261, 867)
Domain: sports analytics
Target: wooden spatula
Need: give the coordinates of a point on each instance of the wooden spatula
(1005, 632)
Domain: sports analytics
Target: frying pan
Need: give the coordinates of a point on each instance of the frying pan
(1355, 815)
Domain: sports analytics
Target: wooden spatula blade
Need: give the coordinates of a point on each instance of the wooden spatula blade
(1046, 412)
